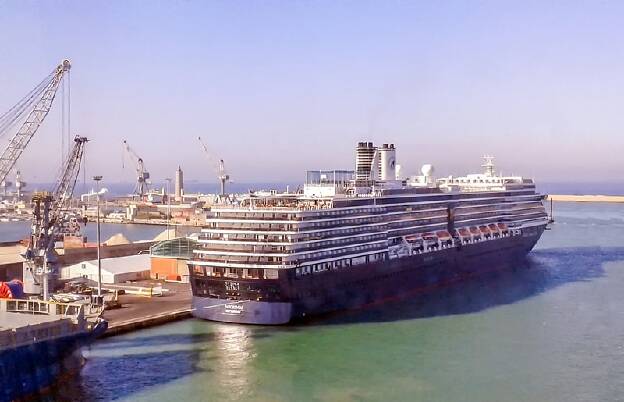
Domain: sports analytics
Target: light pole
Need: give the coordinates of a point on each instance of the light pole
(168, 206)
(97, 180)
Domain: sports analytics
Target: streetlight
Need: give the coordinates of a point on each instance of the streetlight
(168, 205)
(97, 180)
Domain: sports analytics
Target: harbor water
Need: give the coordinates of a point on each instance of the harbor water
(550, 330)
(13, 231)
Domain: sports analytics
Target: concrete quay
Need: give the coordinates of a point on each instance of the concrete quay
(139, 312)
(586, 198)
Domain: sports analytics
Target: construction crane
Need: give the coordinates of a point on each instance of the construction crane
(49, 215)
(142, 185)
(35, 106)
(220, 168)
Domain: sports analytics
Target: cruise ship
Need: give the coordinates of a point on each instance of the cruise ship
(355, 237)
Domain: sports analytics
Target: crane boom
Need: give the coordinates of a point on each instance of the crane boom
(48, 216)
(67, 182)
(141, 188)
(29, 127)
(219, 167)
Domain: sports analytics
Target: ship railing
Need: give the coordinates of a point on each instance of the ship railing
(75, 311)
(70, 320)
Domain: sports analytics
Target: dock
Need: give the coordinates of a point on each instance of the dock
(586, 198)
(138, 312)
(133, 324)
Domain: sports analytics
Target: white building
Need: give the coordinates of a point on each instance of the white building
(114, 270)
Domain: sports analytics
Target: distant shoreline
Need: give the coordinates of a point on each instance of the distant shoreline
(586, 198)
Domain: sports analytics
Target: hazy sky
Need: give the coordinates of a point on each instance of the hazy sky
(276, 88)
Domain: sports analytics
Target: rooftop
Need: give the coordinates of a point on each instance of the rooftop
(131, 263)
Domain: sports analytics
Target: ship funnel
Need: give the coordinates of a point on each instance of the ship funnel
(364, 162)
(387, 162)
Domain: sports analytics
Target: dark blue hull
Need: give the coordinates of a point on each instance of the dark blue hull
(297, 297)
(27, 371)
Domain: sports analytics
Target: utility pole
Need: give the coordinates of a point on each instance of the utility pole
(97, 180)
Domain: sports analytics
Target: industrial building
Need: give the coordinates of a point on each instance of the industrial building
(169, 259)
(114, 270)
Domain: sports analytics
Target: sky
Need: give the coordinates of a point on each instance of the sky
(276, 88)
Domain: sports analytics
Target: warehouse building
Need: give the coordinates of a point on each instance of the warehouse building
(169, 259)
(114, 270)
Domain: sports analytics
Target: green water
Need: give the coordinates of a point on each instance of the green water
(552, 330)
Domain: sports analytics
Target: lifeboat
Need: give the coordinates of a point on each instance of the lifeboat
(429, 236)
(413, 238)
(463, 232)
(502, 227)
(443, 234)
(493, 227)
(475, 230)
(484, 230)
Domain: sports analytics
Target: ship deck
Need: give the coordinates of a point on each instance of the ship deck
(10, 320)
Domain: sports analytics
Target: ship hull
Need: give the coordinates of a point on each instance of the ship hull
(248, 312)
(27, 371)
(373, 283)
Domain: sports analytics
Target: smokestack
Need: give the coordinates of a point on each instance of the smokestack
(364, 159)
(387, 161)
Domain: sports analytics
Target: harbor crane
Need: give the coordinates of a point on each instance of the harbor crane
(142, 185)
(49, 214)
(220, 168)
(35, 106)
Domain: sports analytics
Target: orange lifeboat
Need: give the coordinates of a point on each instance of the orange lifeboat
(474, 230)
(412, 238)
(463, 232)
(502, 226)
(493, 227)
(484, 229)
(443, 234)
(429, 236)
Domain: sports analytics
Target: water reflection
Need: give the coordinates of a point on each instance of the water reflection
(233, 352)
